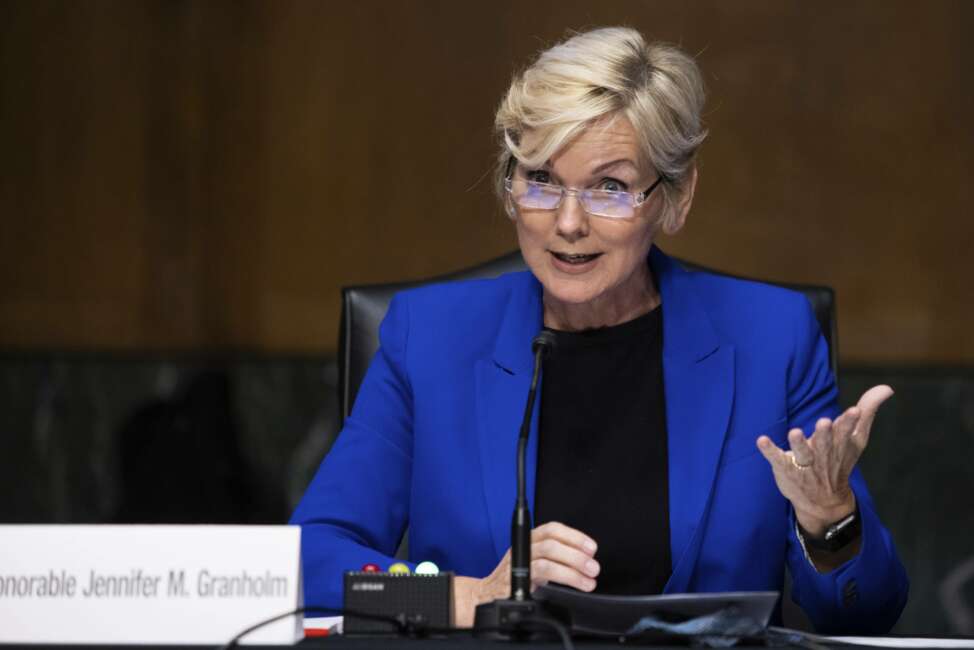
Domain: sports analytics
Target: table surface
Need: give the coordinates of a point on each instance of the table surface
(457, 642)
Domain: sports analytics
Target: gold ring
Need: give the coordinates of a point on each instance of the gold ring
(797, 464)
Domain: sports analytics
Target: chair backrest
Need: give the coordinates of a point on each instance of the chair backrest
(363, 308)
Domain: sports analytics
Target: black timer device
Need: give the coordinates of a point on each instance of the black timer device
(421, 598)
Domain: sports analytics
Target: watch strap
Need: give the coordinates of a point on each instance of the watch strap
(837, 535)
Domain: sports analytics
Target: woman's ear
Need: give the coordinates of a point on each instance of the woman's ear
(678, 218)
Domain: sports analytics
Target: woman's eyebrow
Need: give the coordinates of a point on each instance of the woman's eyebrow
(613, 163)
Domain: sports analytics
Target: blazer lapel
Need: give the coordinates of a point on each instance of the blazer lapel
(502, 388)
(698, 376)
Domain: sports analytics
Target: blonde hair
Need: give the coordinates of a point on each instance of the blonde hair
(604, 73)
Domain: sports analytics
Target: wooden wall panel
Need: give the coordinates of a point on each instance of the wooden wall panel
(207, 174)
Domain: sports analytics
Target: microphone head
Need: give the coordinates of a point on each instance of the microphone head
(544, 342)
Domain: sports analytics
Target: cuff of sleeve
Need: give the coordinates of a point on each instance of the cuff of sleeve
(324, 571)
(865, 594)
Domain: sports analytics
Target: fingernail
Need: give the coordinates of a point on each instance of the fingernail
(592, 568)
(590, 546)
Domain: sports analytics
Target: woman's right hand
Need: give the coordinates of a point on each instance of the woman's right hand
(558, 554)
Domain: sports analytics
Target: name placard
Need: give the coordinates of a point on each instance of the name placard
(148, 584)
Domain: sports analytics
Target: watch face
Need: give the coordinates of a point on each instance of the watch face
(843, 532)
(838, 527)
(836, 536)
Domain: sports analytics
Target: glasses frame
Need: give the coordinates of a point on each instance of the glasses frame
(636, 199)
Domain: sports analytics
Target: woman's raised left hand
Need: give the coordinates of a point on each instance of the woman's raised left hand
(814, 474)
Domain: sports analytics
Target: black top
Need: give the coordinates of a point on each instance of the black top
(602, 462)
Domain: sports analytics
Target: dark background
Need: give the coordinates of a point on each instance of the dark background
(185, 186)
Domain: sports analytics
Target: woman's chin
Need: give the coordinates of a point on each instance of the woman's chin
(571, 293)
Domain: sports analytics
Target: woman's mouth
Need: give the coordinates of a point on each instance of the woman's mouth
(574, 262)
(575, 258)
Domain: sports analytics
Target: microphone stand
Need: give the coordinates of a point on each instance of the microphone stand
(504, 618)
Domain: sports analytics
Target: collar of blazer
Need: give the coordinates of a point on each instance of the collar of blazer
(688, 335)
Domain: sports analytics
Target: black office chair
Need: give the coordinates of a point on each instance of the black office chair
(363, 308)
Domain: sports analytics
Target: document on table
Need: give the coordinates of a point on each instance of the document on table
(884, 641)
(323, 623)
(902, 641)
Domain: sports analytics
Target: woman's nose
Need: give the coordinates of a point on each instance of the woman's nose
(571, 220)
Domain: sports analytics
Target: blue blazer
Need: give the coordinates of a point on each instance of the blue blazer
(432, 436)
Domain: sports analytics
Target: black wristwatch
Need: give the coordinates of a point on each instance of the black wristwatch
(837, 535)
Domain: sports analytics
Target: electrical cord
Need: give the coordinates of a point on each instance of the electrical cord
(557, 626)
(410, 626)
(413, 627)
(404, 625)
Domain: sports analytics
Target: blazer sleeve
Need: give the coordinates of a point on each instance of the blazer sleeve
(356, 508)
(866, 595)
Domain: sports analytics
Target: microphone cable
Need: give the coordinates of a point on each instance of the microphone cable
(415, 627)
(406, 626)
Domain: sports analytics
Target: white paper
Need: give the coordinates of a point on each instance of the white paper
(324, 623)
(902, 642)
(883, 641)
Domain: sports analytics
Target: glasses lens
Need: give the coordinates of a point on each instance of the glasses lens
(535, 196)
(608, 204)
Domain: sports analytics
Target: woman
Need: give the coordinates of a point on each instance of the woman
(657, 458)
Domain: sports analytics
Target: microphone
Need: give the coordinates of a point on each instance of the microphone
(521, 521)
(544, 341)
(507, 614)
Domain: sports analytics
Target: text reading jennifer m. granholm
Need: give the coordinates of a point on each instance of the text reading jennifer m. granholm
(176, 583)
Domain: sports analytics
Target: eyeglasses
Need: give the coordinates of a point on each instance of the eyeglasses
(533, 195)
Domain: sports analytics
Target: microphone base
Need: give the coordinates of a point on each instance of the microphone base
(511, 620)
